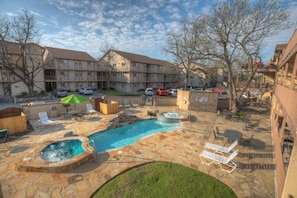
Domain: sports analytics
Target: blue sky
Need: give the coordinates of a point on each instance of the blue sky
(136, 26)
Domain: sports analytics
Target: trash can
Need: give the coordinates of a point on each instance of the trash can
(53, 111)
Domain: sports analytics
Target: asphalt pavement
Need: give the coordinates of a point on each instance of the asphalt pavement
(7, 101)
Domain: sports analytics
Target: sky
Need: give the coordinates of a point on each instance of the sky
(135, 26)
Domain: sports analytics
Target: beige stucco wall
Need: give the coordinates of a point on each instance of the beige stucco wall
(199, 101)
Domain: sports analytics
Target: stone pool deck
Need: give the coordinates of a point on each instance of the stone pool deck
(254, 176)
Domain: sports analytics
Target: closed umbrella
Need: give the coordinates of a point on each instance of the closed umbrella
(74, 99)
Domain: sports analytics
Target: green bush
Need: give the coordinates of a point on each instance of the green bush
(42, 92)
(241, 113)
(35, 93)
(24, 93)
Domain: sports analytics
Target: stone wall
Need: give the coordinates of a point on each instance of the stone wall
(122, 119)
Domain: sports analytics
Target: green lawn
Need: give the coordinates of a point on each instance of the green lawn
(161, 179)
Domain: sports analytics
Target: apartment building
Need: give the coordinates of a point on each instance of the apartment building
(130, 72)
(200, 79)
(284, 118)
(69, 69)
(12, 71)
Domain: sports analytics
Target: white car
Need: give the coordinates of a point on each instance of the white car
(86, 91)
(198, 89)
(173, 92)
(149, 92)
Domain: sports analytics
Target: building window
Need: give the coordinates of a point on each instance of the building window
(64, 73)
(123, 64)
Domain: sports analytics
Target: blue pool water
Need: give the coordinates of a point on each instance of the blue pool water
(126, 135)
(62, 150)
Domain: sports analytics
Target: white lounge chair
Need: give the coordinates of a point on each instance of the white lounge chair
(226, 163)
(219, 148)
(43, 119)
(90, 108)
(126, 103)
(134, 104)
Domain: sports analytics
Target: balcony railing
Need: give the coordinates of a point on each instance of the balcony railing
(50, 78)
(290, 50)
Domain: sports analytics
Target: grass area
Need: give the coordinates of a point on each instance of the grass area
(120, 93)
(162, 179)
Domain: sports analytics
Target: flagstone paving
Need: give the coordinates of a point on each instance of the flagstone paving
(253, 178)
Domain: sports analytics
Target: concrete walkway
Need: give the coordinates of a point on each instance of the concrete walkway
(253, 178)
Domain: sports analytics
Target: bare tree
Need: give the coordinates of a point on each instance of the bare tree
(181, 45)
(231, 36)
(21, 31)
(106, 59)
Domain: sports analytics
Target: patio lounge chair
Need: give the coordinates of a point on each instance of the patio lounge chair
(90, 108)
(226, 163)
(4, 134)
(44, 119)
(219, 148)
(127, 104)
(134, 104)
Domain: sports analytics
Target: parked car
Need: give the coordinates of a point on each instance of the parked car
(198, 89)
(162, 92)
(173, 92)
(86, 91)
(252, 94)
(149, 92)
(60, 93)
(36, 103)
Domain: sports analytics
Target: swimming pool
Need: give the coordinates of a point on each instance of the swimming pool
(126, 135)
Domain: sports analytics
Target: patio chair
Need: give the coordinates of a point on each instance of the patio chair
(134, 104)
(246, 142)
(4, 134)
(43, 119)
(219, 148)
(216, 134)
(90, 108)
(226, 163)
(126, 103)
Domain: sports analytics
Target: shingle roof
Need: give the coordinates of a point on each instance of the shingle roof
(69, 54)
(14, 48)
(140, 58)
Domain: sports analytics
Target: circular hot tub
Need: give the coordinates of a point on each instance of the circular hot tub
(59, 156)
(62, 150)
(170, 117)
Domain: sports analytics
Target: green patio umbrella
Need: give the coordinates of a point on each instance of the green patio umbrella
(74, 99)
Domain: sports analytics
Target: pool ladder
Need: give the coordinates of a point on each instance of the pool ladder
(94, 153)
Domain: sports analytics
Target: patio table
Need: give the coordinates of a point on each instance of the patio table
(232, 135)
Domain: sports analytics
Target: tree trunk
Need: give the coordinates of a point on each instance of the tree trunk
(233, 105)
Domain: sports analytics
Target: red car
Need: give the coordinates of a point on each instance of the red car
(162, 92)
